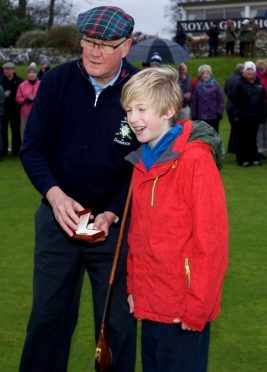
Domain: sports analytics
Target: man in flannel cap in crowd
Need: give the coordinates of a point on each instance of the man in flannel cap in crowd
(73, 152)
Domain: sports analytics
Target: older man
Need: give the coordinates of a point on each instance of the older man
(73, 152)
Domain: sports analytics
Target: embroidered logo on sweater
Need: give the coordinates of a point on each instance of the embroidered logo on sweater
(123, 137)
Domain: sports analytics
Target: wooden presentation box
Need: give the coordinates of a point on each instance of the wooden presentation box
(85, 229)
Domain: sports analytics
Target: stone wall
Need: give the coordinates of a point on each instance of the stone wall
(26, 56)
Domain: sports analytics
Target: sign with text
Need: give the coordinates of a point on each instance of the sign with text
(204, 25)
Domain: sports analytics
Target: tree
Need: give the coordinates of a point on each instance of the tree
(21, 11)
(6, 12)
(44, 13)
(11, 24)
(60, 12)
(171, 12)
(12, 30)
(18, 16)
(51, 14)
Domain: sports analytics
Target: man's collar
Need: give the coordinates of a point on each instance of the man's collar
(99, 88)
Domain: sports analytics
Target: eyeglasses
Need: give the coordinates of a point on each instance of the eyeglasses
(104, 48)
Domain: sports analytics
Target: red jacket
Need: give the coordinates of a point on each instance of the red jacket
(178, 236)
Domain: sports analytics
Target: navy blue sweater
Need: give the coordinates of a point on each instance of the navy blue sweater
(78, 145)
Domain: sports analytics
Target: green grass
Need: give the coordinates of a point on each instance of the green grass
(239, 335)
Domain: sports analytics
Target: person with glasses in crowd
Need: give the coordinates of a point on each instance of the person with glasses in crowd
(73, 151)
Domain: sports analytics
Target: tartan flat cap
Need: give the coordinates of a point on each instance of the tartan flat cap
(106, 23)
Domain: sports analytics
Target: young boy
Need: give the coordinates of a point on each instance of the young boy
(178, 234)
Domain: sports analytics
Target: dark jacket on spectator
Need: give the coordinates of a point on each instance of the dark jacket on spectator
(248, 99)
(12, 86)
(2, 99)
(186, 87)
(213, 34)
(229, 88)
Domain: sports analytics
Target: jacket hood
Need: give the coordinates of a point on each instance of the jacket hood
(194, 133)
(201, 131)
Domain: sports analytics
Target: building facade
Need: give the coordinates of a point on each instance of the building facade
(196, 16)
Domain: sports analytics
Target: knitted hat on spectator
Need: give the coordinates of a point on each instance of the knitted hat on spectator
(203, 68)
(105, 23)
(249, 65)
(44, 61)
(9, 65)
(32, 67)
(155, 59)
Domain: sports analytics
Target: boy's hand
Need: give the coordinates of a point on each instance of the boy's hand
(131, 303)
(184, 326)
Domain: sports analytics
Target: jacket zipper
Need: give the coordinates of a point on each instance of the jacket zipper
(155, 183)
(153, 191)
(187, 271)
(96, 98)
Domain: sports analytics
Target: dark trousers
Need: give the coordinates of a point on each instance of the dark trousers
(213, 49)
(242, 46)
(167, 348)
(230, 46)
(14, 119)
(59, 267)
(250, 49)
(246, 140)
(232, 135)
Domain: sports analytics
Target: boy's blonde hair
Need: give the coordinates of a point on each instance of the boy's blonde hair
(159, 86)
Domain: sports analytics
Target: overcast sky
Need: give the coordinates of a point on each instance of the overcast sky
(148, 14)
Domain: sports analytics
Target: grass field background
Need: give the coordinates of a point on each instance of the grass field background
(239, 335)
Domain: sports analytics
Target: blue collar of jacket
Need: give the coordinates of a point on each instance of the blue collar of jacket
(172, 152)
(151, 155)
(193, 132)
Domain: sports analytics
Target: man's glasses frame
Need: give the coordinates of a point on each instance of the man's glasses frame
(104, 48)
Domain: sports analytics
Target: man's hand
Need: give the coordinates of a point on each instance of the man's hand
(103, 221)
(64, 209)
(131, 303)
(184, 326)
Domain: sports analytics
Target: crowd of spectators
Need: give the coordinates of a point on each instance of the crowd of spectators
(246, 106)
(246, 37)
(203, 99)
